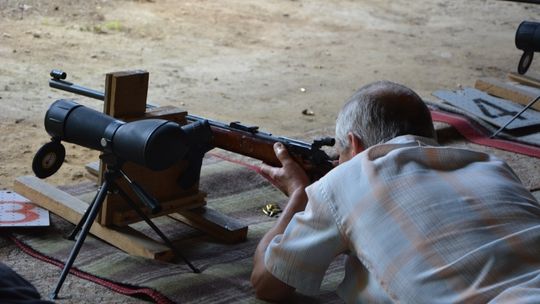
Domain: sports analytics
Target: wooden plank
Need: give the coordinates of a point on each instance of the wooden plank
(129, 216)
(218, 225)
(508, 91)
(72, 209)
(532, 79)
(169, 113)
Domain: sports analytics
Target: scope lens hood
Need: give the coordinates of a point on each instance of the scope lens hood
(154, 143)
(528, 36)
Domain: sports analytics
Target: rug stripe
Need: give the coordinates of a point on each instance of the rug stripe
(477, 134)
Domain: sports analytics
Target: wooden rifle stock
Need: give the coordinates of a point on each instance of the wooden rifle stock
(249, 141)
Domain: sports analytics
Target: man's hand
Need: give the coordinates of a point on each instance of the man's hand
(288, 178)
(292, 180)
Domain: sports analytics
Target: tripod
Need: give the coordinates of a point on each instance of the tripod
(112, 173)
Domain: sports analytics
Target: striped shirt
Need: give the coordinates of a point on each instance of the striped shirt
(430, 224)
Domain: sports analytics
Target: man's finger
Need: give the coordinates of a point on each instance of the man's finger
(281, 152)
(268, 170)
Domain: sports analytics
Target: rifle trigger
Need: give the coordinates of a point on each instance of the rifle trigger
(237, 125)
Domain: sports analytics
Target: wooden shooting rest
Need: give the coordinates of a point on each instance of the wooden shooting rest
(125, 99)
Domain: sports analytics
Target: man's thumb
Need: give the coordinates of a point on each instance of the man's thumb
(281, 152)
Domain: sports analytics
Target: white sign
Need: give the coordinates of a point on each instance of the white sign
(18, 211)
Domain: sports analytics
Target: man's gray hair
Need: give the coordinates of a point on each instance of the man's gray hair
(381, 111)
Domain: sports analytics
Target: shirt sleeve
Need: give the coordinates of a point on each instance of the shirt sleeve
(300, 256)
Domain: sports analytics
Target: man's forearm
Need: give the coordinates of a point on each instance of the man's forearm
(297, 203)
(266, 285)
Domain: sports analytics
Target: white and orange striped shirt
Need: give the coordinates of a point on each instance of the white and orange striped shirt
(431, 224)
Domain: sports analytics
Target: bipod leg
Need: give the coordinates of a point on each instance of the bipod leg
(156, 229)
(94, 209)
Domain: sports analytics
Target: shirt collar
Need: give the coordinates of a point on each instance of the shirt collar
(406, 139)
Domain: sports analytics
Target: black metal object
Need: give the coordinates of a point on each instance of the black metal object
(57, 81)
(112, 173)
(152, 143)
(528, 40)
(531, 103)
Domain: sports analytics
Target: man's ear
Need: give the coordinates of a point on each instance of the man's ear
(356, 144)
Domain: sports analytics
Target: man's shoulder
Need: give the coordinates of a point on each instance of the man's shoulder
(404, 154)
(422, 150)
(344, 179)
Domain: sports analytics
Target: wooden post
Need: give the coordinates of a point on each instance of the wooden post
(125, 94)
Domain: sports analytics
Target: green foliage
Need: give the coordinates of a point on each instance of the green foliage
(104, 28)
(113, 25)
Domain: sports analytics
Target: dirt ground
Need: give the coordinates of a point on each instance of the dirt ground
(260, 62)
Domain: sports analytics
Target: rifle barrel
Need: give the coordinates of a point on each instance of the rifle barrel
(73, 88)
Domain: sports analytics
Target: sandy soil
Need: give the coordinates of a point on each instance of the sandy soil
(261, 62)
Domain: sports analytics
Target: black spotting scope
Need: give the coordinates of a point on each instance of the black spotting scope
(153, 143)
(528, 40)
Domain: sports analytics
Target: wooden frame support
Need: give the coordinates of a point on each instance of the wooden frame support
(71, 208)
(208, 220)
(125, 98)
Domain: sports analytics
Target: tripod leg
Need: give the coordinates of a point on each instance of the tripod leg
(156, 229)
(94, 209)
(77, 228)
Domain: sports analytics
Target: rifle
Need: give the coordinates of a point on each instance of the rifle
(236, 137)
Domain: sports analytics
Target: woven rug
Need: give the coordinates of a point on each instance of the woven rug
(234, 188)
